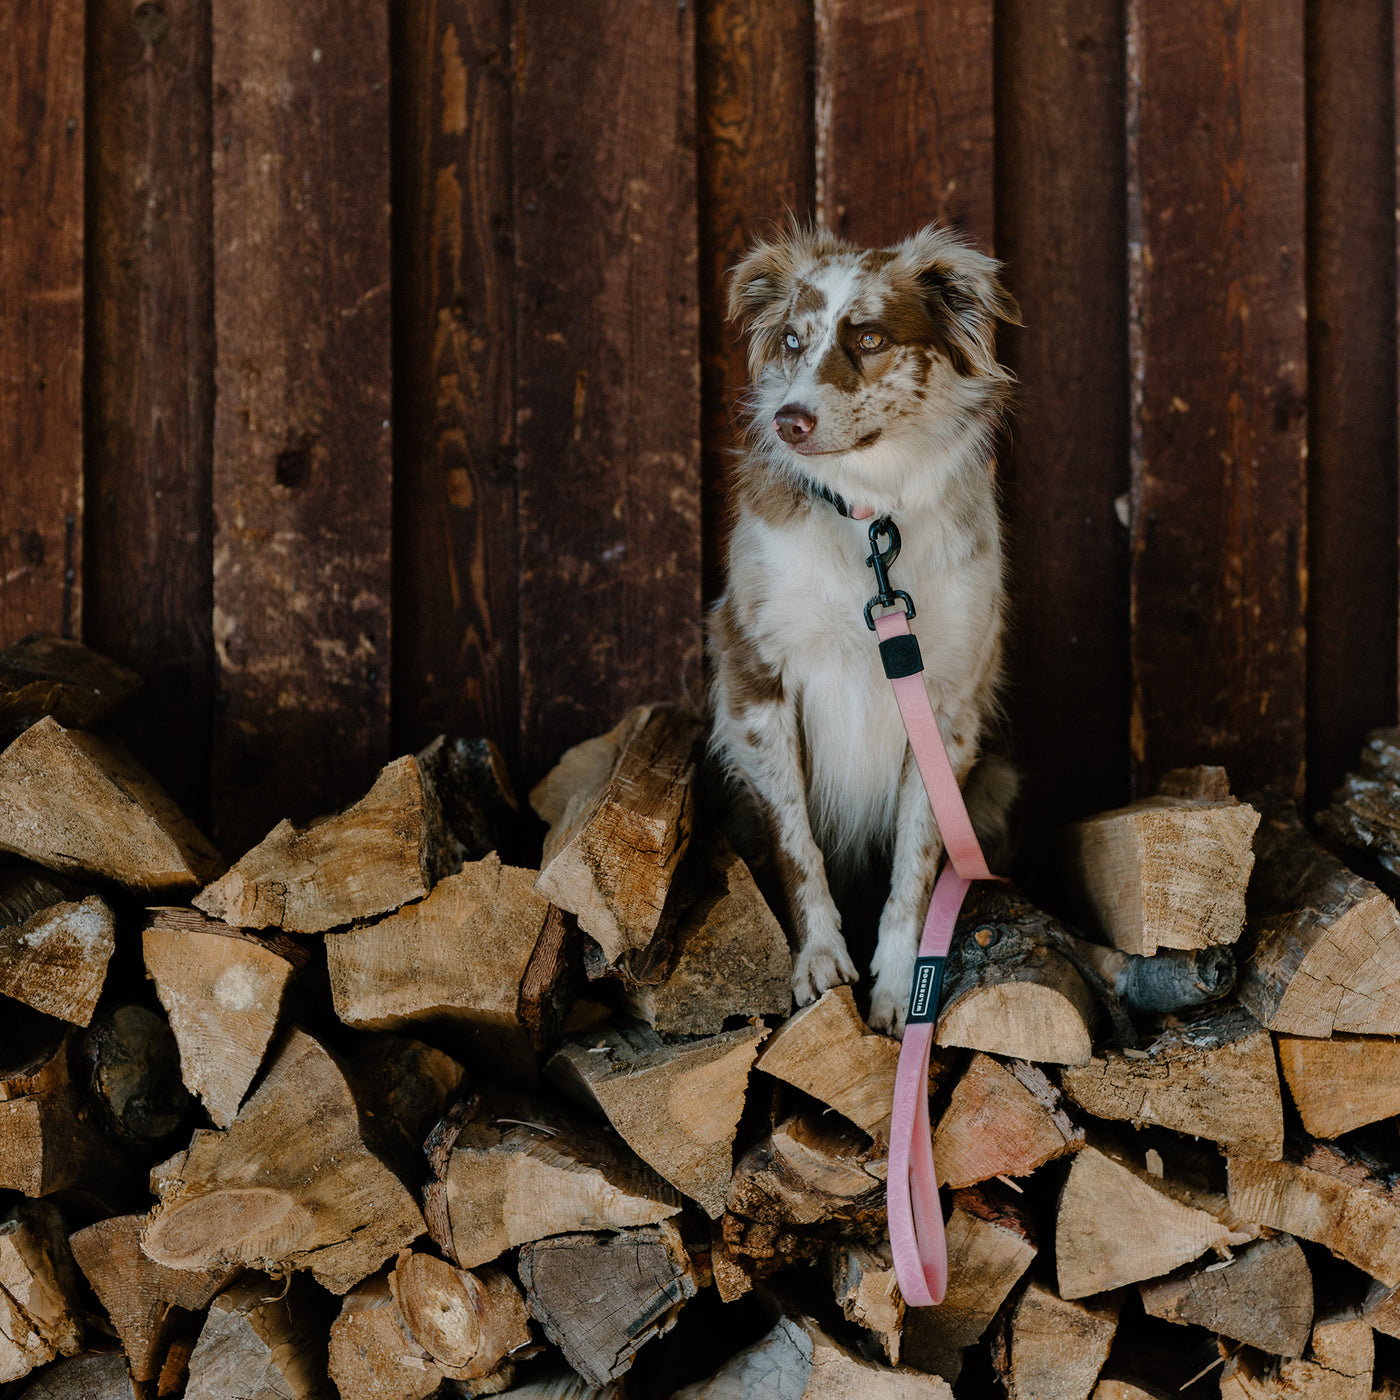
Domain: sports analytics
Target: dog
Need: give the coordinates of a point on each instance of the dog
(875, 391)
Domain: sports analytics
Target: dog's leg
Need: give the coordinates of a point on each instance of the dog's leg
(917, 849)
(764, 751)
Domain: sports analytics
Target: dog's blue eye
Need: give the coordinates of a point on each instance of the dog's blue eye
(791, 341)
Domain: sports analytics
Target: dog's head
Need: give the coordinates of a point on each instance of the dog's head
(871, 365)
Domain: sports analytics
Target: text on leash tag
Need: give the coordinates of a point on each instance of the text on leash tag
(923, 994)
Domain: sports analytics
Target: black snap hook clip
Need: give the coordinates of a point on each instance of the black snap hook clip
(880, 560)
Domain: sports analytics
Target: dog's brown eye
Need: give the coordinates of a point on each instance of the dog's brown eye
(871, 340)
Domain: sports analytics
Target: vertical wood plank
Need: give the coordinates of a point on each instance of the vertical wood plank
(1061, 228)
(904, 117)
(608, 382)
(455, 654)
(150, 383)
(1352, 441)
(301, 427)
(1218, 348)
(756, 167)
(41, 309)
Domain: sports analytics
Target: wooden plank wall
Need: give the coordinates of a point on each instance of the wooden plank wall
(368, 375)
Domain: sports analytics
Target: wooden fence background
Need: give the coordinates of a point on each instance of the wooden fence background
(363, 371)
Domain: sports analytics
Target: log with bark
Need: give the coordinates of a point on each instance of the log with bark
(223, 990)
(620, 810)
(81, 805)
(508, 1169)
(1365, 809)
(46, 675)
(677, 1106)
(93, 1376)
(290, 1184)
(1001, 1120)
(133, 1075)
(473, 786)
(865, 1288)
(385, 851)
(601, 1298)
(1322, 950)
(56, 939)
(373, 1356)
(1212, 1075)
(1323, 1193)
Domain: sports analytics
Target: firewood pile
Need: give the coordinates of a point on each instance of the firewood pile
(405, 1103)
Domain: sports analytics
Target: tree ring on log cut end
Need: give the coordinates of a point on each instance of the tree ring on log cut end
(241, 1223)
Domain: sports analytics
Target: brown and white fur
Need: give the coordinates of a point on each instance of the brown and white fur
(874, 376)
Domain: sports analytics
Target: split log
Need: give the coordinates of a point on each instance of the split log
(262, 1342)
(40, 1314)
(1205, 783)
(83, 805)
(96, 1376)
(1341, 1083)
(56, 940)
(729, 958)
(676, 1106)
(133, 1077)
(799, 1361)
(565, 1384)
(410, 1085)
(473, 785)
(467, 1322)
(601, 1298)
(1001, 1120)
(373, 1356)
(827, 1051)
(385, 851)
(1172, 979)
(867, 1292)
(1263, 1297)
(615, 844)
(1213, 1076)
(811, 1169)
(48, 1141)
(1118, 1223)
(78, 687)
(147, 1303)
(290, 1184)
(1058, 1345)
(223, 990)
(1167, 872)
(454, 962)
(508, 1170)
(1116, 1389)
(1331, 1197)
(1323, 945)
(1338, 1366)
(990, 1246)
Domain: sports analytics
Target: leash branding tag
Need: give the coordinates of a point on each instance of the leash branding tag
(923, 993)
(901, 656)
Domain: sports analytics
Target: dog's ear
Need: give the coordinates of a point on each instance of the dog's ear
(963, 291)
(762, 283)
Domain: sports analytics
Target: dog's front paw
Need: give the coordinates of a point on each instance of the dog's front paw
(889, 1005)
(820, 966)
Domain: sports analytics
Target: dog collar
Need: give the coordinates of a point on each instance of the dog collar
(839, 503)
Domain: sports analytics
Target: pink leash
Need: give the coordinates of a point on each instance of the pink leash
(911, 1191)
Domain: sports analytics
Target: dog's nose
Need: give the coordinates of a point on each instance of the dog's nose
(794, 424)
